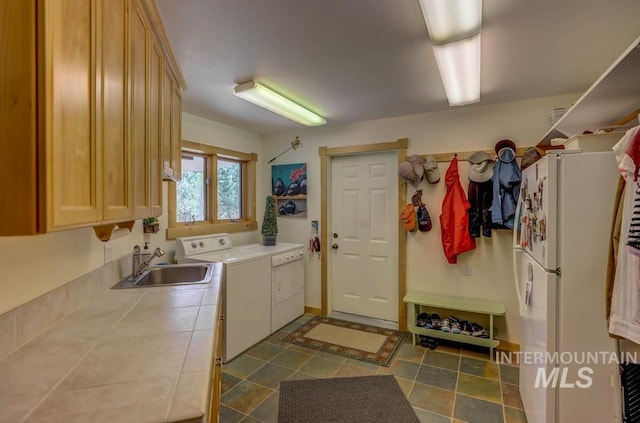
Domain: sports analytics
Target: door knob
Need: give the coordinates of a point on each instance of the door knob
(334, 246)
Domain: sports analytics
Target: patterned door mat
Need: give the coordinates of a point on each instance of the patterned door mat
(353, 340)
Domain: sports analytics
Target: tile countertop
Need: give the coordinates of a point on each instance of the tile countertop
(131, 355)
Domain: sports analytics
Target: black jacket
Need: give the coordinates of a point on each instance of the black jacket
(480, 198)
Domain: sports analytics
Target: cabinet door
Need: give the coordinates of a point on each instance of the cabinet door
(138, 61)
(155, 128)
(176, 133)
(167, 98)
(74, 196)
(19, 211)
(112, 123)
(216, 383)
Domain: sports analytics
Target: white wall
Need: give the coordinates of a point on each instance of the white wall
(457, 129)
(33, 265)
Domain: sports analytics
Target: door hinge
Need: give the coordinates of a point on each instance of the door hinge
(558, 271)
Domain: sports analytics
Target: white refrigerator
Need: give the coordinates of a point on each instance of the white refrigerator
(560, 260)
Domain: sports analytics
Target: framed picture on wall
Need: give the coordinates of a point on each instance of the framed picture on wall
(289, 187)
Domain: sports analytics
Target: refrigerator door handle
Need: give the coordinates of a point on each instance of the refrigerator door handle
(517, 253)
(517, 258)
(517, 225)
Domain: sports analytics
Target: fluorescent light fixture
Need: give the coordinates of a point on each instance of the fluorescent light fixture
(459, 64)
(454, 27)
(271, 100)
(451, 20)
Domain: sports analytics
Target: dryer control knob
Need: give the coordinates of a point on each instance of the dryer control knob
(194, 245)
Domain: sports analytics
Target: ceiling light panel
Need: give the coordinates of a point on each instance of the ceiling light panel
(459, 64)
(264, 97)
(451, 20)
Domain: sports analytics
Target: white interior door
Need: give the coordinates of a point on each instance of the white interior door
(364, 235)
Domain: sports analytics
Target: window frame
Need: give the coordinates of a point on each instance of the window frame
(248, 202)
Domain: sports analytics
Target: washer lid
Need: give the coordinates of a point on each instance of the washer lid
(280, 247)
(230, 257)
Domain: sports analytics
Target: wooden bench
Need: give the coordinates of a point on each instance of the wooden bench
(418, 299)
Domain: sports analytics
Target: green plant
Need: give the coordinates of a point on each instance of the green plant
(150, 221)
(269, 223)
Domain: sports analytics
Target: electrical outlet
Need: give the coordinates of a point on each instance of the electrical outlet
(468, 270)
(107, 253)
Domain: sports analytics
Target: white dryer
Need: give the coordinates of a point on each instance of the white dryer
(246, 288)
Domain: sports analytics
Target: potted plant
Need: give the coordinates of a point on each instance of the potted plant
(269, 223)
(150, 225)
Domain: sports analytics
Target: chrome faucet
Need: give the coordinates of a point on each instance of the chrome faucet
(139, 264)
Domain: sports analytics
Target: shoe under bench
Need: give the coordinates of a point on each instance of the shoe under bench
(418, 299)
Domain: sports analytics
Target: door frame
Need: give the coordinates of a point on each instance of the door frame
(326, 154)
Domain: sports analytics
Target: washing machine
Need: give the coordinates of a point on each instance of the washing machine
(246, 288)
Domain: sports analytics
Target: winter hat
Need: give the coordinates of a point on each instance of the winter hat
(408, 217)
(424, 221)
(431, 168)
(506, 150)
(481, 169)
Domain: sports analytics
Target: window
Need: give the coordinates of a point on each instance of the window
(216, 192)
(192, 193)
(229, 189)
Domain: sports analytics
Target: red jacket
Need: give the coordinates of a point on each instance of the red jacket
(454, 219)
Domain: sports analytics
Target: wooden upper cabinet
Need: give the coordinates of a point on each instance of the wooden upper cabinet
(172, 127)
(139, 80)
(19, 211)
(112, 122)
(72, 165)
(82, 113)
(176, 133)
(167, 95)
(155, 127)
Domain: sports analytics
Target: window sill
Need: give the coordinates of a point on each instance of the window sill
(211, 228)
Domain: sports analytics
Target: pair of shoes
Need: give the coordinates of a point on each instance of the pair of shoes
(429, 342)
(423, 320)
(476, 329)
(465, 328)
(455, 324)
(445, 325)
(435, 321)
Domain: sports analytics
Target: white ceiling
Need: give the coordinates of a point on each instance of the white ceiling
(354, 60)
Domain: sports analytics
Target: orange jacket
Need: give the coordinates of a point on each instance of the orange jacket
(454, 219)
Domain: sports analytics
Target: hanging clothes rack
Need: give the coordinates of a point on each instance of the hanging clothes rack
(464, 155)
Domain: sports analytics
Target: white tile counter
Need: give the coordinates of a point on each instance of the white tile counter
(128, 355)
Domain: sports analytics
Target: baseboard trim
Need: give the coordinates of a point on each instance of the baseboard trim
(312, 310)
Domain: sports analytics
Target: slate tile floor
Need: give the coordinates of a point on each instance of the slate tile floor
(446, 385)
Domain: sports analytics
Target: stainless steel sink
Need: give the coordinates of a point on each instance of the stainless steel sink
(169, 275)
